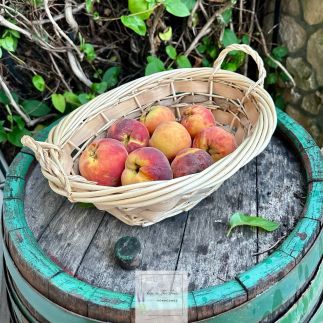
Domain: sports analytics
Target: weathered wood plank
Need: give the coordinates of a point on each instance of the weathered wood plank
(208, 255)
(160, 247)
(67, 237)
(280, 188)
(41, 203)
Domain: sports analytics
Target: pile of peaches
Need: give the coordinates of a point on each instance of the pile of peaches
(156, 147)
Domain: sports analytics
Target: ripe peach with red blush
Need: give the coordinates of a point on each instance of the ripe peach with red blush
(130, 132)
(155, 116)
(190, 161)
(103, 161)
(196, 118)
(216, 141)
(146, 164)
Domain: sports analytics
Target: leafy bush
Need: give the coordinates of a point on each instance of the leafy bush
(58, 55)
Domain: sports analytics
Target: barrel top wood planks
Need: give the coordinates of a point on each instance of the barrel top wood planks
(60, 257)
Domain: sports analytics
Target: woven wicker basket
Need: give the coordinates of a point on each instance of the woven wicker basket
(238, 104)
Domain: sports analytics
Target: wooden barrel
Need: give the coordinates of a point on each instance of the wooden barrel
(60, 266)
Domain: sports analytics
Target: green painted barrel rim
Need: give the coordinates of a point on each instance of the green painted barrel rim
(242, 289)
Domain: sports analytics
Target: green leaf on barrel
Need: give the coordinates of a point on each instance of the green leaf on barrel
(238, 219)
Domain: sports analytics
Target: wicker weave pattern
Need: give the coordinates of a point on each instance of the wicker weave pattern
(239, 104)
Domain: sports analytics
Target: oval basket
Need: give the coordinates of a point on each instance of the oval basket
(239, 104)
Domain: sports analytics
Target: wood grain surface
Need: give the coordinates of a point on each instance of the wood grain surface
(82, 240)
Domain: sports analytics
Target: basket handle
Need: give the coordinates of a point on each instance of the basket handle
(48, 156)
(248, 50)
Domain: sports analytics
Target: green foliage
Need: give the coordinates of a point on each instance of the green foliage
(167, 34)
(72, 99)
(279, 52)
(183, 62)
(111, 76)
(35, 108)
(238, 219)
(142, 9)
(154, 65)
(58, 101)
(135, 23)
(229, 37)
(99, 88)
(226, 16)
(171, 51)
(39, 82)
(9, 40)
(89, 51)
(176, 8)
(89, 5)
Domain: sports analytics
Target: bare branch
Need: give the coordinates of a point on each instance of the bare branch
(266, 51)
(69, 16)
(59, 72)
(77, 69)
(60, 16)
(58, 29)
(13, 102)
(206, 28)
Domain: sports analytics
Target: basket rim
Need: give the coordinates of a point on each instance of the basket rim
(157, 77)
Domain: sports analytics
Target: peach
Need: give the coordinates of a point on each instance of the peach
(155, 116)
(170, 138)
(216, 141)
(190, 161)
(130, 132)
(195, 118)
(103, 161)
(146, 164)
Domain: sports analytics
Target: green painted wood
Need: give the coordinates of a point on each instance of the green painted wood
(313, 208)
(11, 216)
(267, 304)
(36, 267)
(14, 188)
(210, 301)
(307, 302)
(267, 272)
(20, 165)
(45, 307)
(313, 163)
(318, 316)
(299, 137)
(301, 239)
(63, 289)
